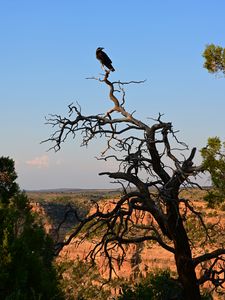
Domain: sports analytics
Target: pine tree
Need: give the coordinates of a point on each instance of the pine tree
(26, 256)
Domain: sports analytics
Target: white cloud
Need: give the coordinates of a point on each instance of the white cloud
(39, 162)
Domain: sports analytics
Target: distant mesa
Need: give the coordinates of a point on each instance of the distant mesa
(72, 190)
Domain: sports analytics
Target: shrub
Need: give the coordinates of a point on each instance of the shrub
(159, 285)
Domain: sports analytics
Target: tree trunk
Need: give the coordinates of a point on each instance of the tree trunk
(186, 270)
(183, 255)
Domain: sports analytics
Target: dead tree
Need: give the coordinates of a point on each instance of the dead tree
(152, 171)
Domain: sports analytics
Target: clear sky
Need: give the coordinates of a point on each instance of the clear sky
(47, 49)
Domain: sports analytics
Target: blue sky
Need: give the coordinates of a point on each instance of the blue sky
(48, 49)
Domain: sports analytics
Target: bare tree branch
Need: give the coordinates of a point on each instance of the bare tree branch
(151, 173)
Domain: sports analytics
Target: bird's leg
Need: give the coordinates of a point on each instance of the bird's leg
(104, 69)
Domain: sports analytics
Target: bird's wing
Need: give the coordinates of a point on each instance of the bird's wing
(105, 57)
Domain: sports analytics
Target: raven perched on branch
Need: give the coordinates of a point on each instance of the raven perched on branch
(104, 59)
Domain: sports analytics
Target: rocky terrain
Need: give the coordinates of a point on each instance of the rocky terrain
(139, 258)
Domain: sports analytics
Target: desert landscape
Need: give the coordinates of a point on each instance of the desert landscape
(140, 258)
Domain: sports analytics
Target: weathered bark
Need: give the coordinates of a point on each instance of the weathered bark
(186, 271)
(183, 255)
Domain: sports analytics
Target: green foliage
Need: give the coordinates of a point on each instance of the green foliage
(8, 186)
(81, 280)
(207, 296)
(214, 162)
(214, 198)
(26, 270)
(214, 59)
(156, 286)
(195, 231)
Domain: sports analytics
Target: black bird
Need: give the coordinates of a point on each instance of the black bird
(104, 59)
